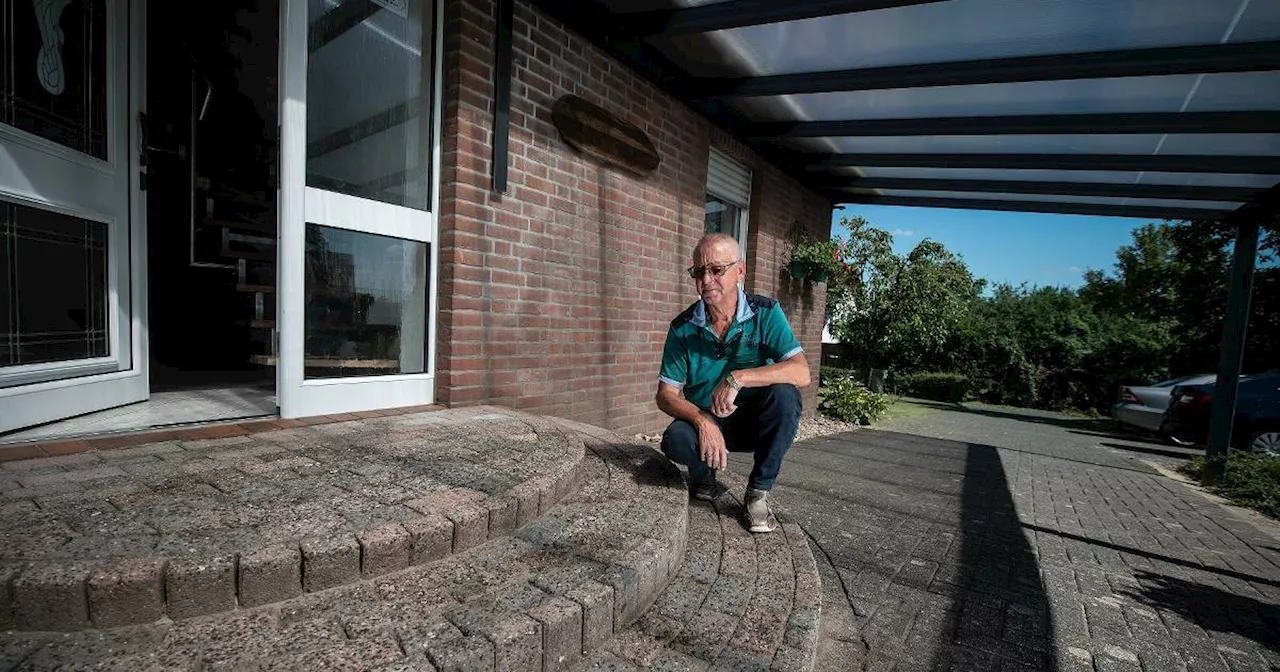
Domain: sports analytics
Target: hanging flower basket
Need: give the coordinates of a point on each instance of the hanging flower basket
(814, 259)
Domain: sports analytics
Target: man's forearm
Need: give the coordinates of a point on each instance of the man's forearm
(680, 408)
(794, 371)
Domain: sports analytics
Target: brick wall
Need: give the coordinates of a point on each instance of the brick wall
(555, 296)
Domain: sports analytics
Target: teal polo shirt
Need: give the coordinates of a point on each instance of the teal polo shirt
(695, 359)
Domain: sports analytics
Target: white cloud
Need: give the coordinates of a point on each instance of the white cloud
(1073, 269)
(903, 233)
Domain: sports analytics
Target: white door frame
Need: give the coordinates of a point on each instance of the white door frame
(298, 204)
(38, 172)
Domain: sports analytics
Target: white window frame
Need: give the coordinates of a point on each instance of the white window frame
(298, 395)
(43, 174)
(730, 181)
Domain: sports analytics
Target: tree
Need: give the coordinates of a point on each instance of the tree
(898, 309)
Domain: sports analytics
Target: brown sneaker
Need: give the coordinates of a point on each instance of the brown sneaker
(757, 512)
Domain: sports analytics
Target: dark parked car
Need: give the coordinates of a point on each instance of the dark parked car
(1257, 420)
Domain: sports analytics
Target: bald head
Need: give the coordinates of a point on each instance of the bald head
(712, 243)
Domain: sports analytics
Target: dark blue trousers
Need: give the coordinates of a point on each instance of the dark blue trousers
(765, 424)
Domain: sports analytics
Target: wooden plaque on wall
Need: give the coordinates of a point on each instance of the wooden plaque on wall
(604, 136)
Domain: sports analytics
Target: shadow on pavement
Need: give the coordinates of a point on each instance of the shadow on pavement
(1183, 454)
(1211, 608)
(1103, 426)
(1155, 556)
(1005, 607)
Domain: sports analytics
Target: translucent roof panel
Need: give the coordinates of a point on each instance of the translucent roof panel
(1248, 144)
(937, 33)
(1055, 198)
(1173, 93)
(1252, 144)
(1087, 176)
(1236, 91)
(972, 29)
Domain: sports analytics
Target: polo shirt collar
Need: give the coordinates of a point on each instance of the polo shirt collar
(744, 311)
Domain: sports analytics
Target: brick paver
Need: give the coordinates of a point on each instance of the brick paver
(739, 602)
(530, 599)
(184, 528)
(941, 554)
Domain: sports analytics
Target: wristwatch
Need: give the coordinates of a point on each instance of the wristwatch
(733, 382)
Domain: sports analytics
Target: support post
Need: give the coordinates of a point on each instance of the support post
(502, 93)
(1231, 351)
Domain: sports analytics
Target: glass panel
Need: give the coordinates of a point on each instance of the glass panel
(954, 31)
(53, 287)
(53, 71)
(1117, 177)
(368, 99)
(1063, 198)
(366, 304)
(722, 217)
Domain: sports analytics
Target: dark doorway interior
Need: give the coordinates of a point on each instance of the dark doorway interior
(211, 192)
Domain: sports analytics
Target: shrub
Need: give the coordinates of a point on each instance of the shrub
(829, 374)
(844, 399)
(1252, 480)
(952, 387)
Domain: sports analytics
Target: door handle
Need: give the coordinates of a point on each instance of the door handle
(146, 150)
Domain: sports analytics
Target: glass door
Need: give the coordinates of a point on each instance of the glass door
(357, 205)
(72, 328)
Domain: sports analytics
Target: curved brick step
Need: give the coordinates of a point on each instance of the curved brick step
(183, 529)
(533, 600)
(740, 602)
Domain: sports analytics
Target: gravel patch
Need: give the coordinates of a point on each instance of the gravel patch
(818, 425)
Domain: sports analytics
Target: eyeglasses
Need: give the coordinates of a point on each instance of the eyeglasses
(696, 272)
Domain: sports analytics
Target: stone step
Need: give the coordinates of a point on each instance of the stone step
(187, 528)
(739, 602)
(535, 599)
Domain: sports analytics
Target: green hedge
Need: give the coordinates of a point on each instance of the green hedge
(827, 374)
(844, 399)
(952, 387)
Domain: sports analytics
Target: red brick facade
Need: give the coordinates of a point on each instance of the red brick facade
(555, 296)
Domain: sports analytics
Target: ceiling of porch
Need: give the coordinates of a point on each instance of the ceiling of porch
(1142, 108)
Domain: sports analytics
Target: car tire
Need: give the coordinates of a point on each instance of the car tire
(1266, 442)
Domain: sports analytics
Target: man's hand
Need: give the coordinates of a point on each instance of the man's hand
(723, 400)
(711, 446)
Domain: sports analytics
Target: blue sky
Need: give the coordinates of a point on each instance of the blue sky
(1012, 247)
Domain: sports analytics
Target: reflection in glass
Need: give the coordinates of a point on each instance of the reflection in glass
(53, 287)
(53, 71)
(366, 304)
(368, 99)
(722, 217)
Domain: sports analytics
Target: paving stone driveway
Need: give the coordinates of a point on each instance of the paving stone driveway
(1025, 543)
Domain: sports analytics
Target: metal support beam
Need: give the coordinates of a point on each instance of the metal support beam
(1154, 123)
(1234, 327)
(1104, 210)
(1259, 165)
(339, 20)
(502, 93)
(367, 127)
(740, 13)
(1210, 58)
(1116, 190)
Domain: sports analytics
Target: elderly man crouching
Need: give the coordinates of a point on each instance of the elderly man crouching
(731, 369)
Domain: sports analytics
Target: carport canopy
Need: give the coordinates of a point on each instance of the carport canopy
(1156, 109)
